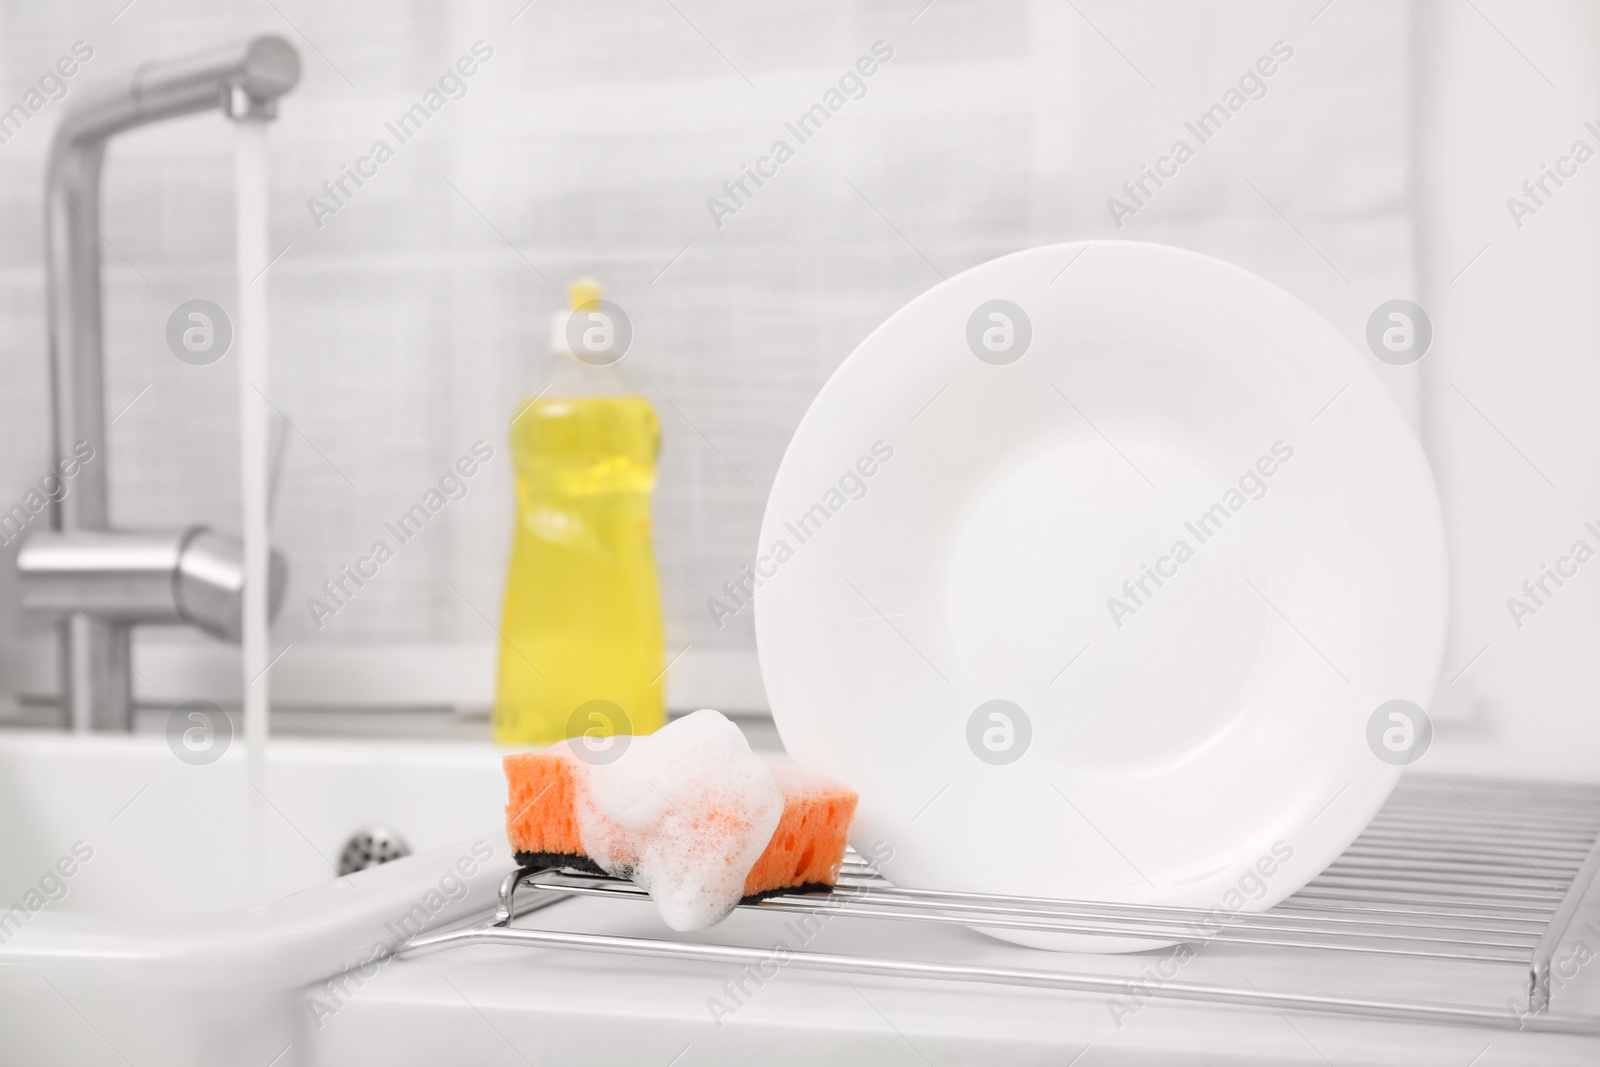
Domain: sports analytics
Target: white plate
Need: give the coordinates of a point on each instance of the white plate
(1207, 748)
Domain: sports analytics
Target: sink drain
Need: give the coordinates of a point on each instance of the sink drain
(371, 846)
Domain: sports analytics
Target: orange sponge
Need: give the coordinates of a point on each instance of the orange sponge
(806, 849)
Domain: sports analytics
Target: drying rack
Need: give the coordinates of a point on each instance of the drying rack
(1479, 873)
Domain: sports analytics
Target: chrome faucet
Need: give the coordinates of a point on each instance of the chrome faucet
(98, 582)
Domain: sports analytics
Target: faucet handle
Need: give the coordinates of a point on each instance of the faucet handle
(208, 586)
(193, 576)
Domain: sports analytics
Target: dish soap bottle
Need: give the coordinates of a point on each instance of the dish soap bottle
(580, 633)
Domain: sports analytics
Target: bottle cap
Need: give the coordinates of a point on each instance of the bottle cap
(582, 294)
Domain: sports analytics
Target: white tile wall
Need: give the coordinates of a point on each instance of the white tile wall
(409, 325)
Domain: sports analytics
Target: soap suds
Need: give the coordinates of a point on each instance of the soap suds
(685, 812)
(804, 782)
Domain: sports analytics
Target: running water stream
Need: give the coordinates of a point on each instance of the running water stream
(251, 261)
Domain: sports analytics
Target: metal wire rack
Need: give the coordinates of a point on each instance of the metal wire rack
(1484, 874)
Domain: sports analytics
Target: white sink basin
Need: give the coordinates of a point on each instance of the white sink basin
(134, 926)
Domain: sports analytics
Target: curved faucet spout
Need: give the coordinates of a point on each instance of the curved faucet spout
(257, 72)
(264, 68)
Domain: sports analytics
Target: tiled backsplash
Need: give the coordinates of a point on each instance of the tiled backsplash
(408, 324)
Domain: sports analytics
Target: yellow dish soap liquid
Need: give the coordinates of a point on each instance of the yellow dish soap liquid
(580, 633)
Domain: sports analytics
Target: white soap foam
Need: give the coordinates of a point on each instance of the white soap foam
(685, 812)
(804, 782)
